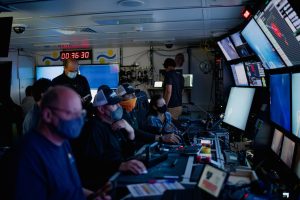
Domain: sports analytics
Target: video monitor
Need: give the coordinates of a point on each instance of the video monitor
(287, 152)
(296, 167)
(261, 46)
(228, 49)
(101, 74)
(49, 72)
(188, 80)
(277, 141)
(281, 25)
(241, 46)
(239, 74)
(296, 104)
(255, 73)
(280, 100)
(238, 107)
(5, 24)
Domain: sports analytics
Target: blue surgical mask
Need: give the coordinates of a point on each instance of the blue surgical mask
(70, 129)
(71, 74)
(117, 114)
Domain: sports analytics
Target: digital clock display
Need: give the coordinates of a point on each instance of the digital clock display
(78, 55)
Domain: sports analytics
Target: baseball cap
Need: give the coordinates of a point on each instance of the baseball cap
(125, 89)
(169, 62)
(105, 96)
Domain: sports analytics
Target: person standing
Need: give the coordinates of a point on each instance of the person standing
(179, 60)
(28, 100)
(72, 79)
(173, 88)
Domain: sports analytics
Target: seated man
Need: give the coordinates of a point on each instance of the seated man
(159, 121)
(127, 93)
(106, 142)
(42, 166)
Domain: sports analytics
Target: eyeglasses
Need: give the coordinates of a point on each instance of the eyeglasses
(81, 113)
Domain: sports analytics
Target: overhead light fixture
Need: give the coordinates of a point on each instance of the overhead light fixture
(66, 31)
(154, 40)
(123, 19)
(130, 3)
(51, 44)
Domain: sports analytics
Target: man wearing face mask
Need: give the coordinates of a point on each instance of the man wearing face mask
(43, 166)
(72, 79)
(127, 94)
(106, 142)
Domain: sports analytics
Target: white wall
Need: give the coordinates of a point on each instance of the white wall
(23, 70)
(22, 74)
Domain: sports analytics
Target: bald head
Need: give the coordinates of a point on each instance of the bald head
(62, 97)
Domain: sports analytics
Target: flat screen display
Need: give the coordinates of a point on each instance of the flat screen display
(5, 24)
(238, 107)
(261, 46)
(277, 141)
(297, 162)
(296, 104)
(49, 72)
(241, 46)
(228, 49)
(101, 74)
(239, 74)
(279, 22)
(280, 100)
(287, 153)
(255, 74)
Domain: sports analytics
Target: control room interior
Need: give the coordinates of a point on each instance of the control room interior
(241, 70)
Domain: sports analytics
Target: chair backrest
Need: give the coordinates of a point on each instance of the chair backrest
(142, 107)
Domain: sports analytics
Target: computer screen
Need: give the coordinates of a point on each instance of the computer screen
(228, 49)
(49, 72)
(261, 46)
(287, 153)
(280, 100)
(255, 73)
(280, 24)
(277, 141)
(238, 107)
(5, 24)
(239, 74)
(188, 80)
(101, 74)
(296, 167)
(296, 104)
(241, 46)
(158, 84)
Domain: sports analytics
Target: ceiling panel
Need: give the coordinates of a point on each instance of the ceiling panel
(100, 23)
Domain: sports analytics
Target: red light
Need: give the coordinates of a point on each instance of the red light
(246, 14)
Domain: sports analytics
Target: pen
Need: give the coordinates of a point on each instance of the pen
(174, 163)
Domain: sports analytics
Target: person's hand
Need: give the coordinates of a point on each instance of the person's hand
(134, 166)
(171, 138)
(101, 194)
(125, 125)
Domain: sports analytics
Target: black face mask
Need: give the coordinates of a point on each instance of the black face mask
(162, 109)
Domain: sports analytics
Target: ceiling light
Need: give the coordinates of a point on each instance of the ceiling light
(130, 3)
(66, 31)
(154, 40)
(51, 44)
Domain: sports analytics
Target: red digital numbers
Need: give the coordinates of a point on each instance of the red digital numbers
(79, 55)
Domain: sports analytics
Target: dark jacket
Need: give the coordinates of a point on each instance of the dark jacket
(99, 152)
